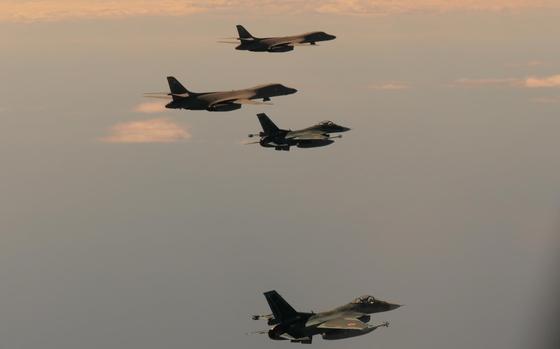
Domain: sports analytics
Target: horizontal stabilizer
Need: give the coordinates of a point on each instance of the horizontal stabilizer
(158, 97)
(257, 332)
(247, 143)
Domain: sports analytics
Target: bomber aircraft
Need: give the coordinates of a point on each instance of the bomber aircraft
(311, 137)
(248, 42)
(349, 320)
(219, 101)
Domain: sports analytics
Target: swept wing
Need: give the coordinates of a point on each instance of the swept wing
(307, 135)
(344, 324)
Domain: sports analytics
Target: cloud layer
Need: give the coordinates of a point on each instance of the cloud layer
(150, 107)
(529, 82)
(160, 130)
(57, 10)
(547, 81)
(390, 86)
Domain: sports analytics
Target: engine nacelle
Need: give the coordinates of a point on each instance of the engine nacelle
(341, 334)
(365, 318)
(314, 143)
(224, 107)
(281, 48)
(276, 333)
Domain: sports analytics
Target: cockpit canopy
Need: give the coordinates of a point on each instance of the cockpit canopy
(326, 123)
(364, 300)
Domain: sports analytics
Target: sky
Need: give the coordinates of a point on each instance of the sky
(125, 225)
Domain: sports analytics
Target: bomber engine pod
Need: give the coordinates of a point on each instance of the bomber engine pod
(281, 49)
(276, 332)
(224, 107)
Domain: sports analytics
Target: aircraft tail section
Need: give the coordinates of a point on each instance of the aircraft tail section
(176, 88)
(267, 125)
(244, 33)
(281, 310)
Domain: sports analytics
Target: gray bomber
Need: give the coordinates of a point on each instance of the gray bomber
(248, 42)
(311, 137)
(219, 101)
(349, 320)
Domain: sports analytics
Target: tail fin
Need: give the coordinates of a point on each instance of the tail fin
(176, 87)
(243, 33)
(280, 308)
(267, 125)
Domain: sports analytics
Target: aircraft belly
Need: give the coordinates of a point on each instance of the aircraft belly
(342, 334)
(314, 143)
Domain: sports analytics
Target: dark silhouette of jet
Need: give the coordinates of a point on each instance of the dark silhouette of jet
(315, 136)
(219, 101)
(248, 42)
(349, 320)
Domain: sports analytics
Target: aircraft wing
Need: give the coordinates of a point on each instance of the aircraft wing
(287, 43)
(288, 46)
(290, 43)
(303, 136)
(250, 101)
(344, 324)
(239, 101)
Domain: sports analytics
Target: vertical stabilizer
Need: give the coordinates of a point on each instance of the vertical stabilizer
(176, 88)
(244, 33)
(267, 125)
(280, 308)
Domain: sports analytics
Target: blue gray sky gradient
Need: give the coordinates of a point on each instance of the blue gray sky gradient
(125, 225)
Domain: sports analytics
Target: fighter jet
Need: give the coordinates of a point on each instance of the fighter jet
(218, 101)
(346, 321)
(248, 42)
(315, 136)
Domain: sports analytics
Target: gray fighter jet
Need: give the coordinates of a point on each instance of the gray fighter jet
(248, 42)
(349, 320)
(315, 136)
(218, 101)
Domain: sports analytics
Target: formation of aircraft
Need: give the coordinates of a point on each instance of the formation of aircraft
(181, 98)
(248, 42)
(311, 137)
(271, 137)
(349, 320)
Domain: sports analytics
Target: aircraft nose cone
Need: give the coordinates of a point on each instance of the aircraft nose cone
(291, 90)
(332, 37)
(344, 129)
(394, 306)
